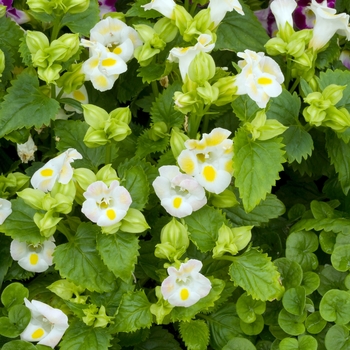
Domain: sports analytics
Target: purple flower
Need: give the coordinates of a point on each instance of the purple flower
(17, 15)
(106, 6)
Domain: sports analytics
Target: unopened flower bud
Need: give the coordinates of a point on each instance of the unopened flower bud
(202, 68)
(177, 141)
(2, 62)
(95, 116)
(122, 114)
(276, 46)
(208, 93)
(158, 131)
(2, 11)
(76, 6)
(181, 17)
(73, 79)
(107, 174)
(333, 93)
(145, 32)
(337, 119)
(166, 29)
(84, 177)
(187, 102)
(116, 130)
(227, 90)
(41, 6)
(70, 42)
(36, 41)
(313, 115)
(49, 74)
(134, 222)
(225, 199)
(95, 138)
(46, 223)
(145, 53)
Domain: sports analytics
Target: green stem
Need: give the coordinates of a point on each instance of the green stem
(194, 121)
(108, 154)
(53, 91)
(295, 84)
(187, 5)
(56, 28)
(193, 8)
(155, 89)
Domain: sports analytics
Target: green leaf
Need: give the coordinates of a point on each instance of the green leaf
(340, 257)
(245, 108)
(70, 134)
(337, 338)
(305, 342)
(238, 343)
(224, 324)
(294, 300)
(19, 345)
(22, 216)
(136, 183)
(17, 320)
(290, 323)
(253, 328)
(14, 294)
(133, 313)
(5, 257)
(25, 99)
(299, 144)
(152, 72)
(79, 261)
(339, 153)
(163, 108)
(327, 241)
(203, 226)
(137, 11)
(248, 308)
(267, 209)
(336, 225)
(257, 165)
(335, 306)
(330, 278)
(238, 33)
(82, 22)
(79, 336)
(325, 58)
(311, 281)
(118, 247)
(300, 247)
(159, 339)
(195, 334)
(257, 275)
(315, 323)
(146, 146)
(291, 272)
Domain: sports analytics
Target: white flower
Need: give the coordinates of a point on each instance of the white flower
(219, 8)
(79, 95)
(26, 150)
(184, 287)
(47, 325)
(34, 258)
(260, 78)
(180, 194)
(56, 169)
(283, 10)
(165, 7)
(105, 205)
(327, 24)
(5, 209)
(185, 55)
(209, 160)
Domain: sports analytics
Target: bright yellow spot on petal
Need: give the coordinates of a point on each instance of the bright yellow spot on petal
(101, 81)
(228, 166)
(184, 49)
(38, 333)
(177, 202)
(33, 259)
(209, 173)
(184, 294)
(118, 50)
(111, 215)
(264, 81)
(109, 62)
(215, 139)
(46, 172)
(93, 63)
(201, 157)
(78, 95)
(188, 165)
(202, 40)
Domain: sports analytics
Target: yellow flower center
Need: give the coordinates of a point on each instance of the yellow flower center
(184, 294)
(209, 173)
(33, 259)
(117, 50)
(78, 95)
(264, 81)
(109, 62)
(177, 202)
(38, 333)
(111, 215)
(46, 172)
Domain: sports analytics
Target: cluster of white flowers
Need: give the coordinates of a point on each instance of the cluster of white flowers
(261, 77)
(111, 45)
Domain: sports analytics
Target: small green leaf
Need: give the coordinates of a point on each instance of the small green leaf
(290, 323)
(248, 308)
(311, 281)
(315, 323)
(294, 300)
(253, 178)
(146, 146)
(335, 306)
(291, 272)
(79, 261)
(79, 336)
(299, 144)
(327, 241)
(5, 257)
(300, 247)
(238, 33)
(118, 247)
(238, 343)
(19, 345)
(305, 342)
(330, 278)
(257, 275)
(340, 257)
(17, 320)
(25, 99)
(22, 216)
(337, 338)
(203, 226)
(195, 334)
(253, 328)
(137, 11)
(245, 108)
(133, 313)
(14, 294)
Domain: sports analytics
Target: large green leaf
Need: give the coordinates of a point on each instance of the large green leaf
(339, 152)
(245, 108)
(81, 337)
(5, 256)
(335, 306)
(195, 334)
(26, 105)
(116, 248)
(257, 275)
(79, 261)
(203, 226)
(337, 338)
(257, 165)
(146, 146)
(238, 33)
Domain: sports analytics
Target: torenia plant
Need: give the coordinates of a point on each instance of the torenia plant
(174, 175)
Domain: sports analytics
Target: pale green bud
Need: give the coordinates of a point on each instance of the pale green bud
(2, 62)
(36, 41)
(337, 119)
(96, 317)
(199, 25)
(49, 74)
(208, 93)
(187, 102)
(182, 18)
(48, 202)
(95, 138)
(177, 141)
(46, 223)
(202, 68)
(242, 236)
(333, 93)
(134, 222)
(173, 241)
(161, 309)
(107, 174)
(286, 32)
(304, 61)
(84, 177)
(158, 131)
(2, 11)
(65, 290)
(95, 116)
(116, 130)
(32, 197)
(70, 42)
(227, 90)
(76, 6)
(296, 48)
(157, 42)
(41, 6)
(314, 115)
(145, 53)
(21, 179)
(276, 46)
(317, 100)
(68, 190)
(166, 29)
(225, 199)
(145, 32)
(122, 114)
(271, 129)
(73, 79)
(63, 203)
